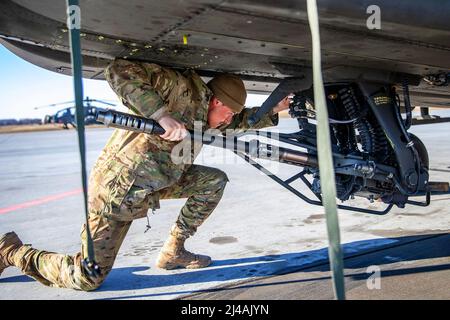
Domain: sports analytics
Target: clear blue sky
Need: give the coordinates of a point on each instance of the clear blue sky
(24, 86)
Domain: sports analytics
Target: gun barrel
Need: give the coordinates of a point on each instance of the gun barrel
(254, 148)
(120, 120)
(298, 157)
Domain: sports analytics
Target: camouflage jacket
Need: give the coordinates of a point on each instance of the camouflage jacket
(141, 160)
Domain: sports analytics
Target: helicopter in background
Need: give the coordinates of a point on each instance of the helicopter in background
(66, 116)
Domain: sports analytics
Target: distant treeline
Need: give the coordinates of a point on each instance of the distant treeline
(10, 122)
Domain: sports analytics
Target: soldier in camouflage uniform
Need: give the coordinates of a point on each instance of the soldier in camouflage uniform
(134, 171)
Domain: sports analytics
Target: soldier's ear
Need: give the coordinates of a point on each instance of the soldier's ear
(219, 103)
(216, 102)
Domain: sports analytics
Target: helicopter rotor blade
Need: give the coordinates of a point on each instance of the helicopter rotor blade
(53, 105)
(102, 101)
(88, 100)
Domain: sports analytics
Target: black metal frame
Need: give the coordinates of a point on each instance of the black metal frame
(286, 184)
(290, 138)
(410, 180)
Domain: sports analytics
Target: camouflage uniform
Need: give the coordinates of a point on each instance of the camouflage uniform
(135, 170)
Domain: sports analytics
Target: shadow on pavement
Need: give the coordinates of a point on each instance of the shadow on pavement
(257, 267)
(372, 252)
(17, 279)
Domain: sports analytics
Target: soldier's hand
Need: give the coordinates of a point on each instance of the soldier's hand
(283, 104)
(175, 130)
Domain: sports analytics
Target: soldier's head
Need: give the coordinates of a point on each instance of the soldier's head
(228, 99)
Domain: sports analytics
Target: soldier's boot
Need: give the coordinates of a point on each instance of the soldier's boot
(9, 245)
(173, 254)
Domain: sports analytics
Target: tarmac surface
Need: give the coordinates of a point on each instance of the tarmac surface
(265, 242)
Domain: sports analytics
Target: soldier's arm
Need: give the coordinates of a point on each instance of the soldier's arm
(240, 121)
(143, 87)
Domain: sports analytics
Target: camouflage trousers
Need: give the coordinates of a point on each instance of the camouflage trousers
(203, 186)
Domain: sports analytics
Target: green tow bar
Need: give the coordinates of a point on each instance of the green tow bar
(326, 168)
(74, 26)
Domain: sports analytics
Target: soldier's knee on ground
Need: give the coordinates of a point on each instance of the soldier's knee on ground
(90, 284)
(84, 282)
(91, 287)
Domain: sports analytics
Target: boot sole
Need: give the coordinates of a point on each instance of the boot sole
(2, 266)
(171, 266)
(178, 266)
(1, 270)
(4, 238)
